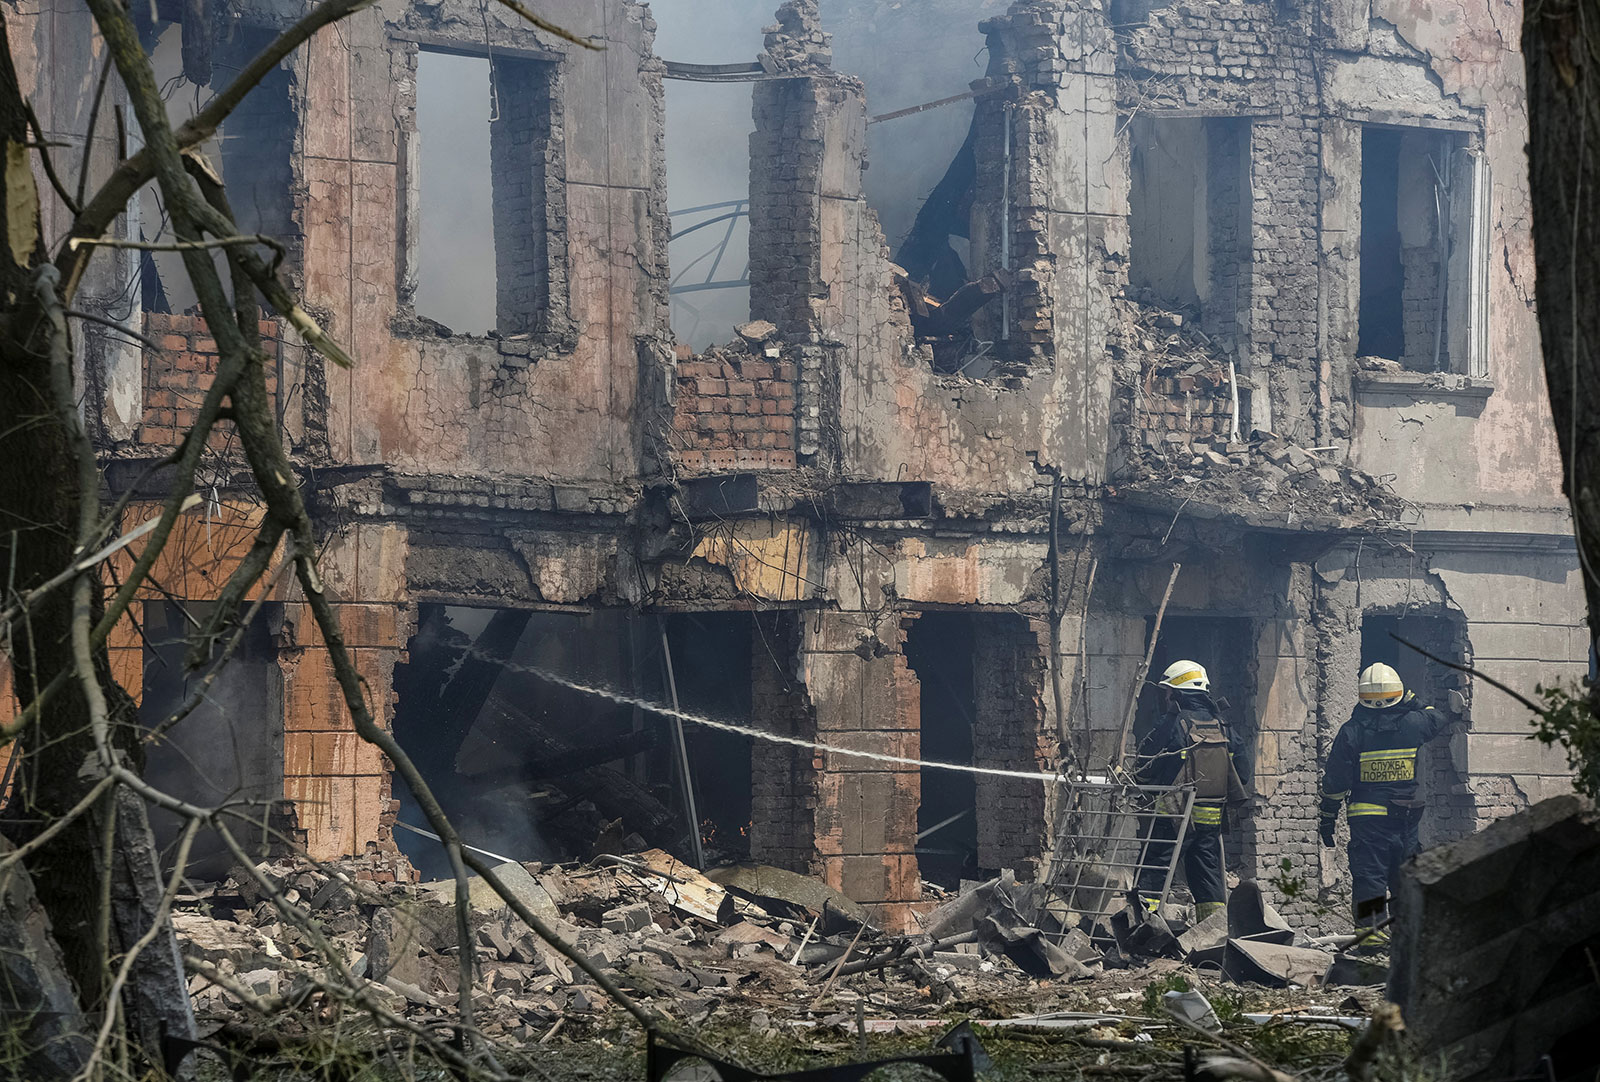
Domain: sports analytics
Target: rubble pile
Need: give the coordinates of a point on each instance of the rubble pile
(747, 940)
(1178, 406)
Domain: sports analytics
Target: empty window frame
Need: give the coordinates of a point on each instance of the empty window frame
(482, 154)
(1424, 250)
(1189, 213)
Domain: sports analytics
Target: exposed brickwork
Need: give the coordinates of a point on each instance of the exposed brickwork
(1012, 731)
(178, 375)
(526, 164)
(783, 778)
(786, 151)
(735, 411)
(1419, 305)
(866, 815)
(1254, 60)
(1191, 406)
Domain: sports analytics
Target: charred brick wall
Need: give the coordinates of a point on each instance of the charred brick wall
(525, 159)
(734, 411)
(783, 778)
(179, 373)
(1011, 732)
(786, 151)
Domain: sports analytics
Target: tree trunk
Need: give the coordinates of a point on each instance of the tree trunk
(40, 500)
(1561, 48)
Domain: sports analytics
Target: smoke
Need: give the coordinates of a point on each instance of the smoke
(936, 52)
(456, 278)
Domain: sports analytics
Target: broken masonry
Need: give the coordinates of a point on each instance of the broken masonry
(1240, 287)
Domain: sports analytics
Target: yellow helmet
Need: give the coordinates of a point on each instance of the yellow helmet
(1186, 676)
(1380, 687)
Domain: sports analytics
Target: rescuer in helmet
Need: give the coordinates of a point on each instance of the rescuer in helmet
(1373, 766)
(1190, 745)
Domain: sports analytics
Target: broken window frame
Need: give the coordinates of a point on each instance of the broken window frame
(1463, 225)
(517, 315)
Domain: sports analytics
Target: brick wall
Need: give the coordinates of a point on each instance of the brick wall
(1227, 225)
(866, 815)
(783, 778)
(1254, 59)
(786, 151)
(1011, 731)
(734, 410)
(178, 375)
(527, 175)
(1191, 407)
(1419, 309)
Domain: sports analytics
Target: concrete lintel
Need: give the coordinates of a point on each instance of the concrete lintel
(446, 43)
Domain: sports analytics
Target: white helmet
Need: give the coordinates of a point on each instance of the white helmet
(1186, 676)
(1380, 687)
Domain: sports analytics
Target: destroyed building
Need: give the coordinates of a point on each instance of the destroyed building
(1245, 287)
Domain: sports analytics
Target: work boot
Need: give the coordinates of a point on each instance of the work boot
(1202, 910)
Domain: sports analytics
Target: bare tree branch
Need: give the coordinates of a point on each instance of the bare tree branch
(1470, 671)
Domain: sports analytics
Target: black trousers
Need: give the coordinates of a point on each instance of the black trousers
(1379, 844)
(1202, 859)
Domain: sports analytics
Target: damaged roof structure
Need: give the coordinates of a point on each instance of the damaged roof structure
(1244, 288)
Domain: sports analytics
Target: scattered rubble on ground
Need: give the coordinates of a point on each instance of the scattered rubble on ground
(742, 944)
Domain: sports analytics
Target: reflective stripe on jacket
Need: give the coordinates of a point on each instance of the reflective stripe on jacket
(1375, 759)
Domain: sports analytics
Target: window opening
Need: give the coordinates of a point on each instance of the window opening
(708, 131)
(1424, 252)
(1188, 221)
(1382, 326)
(456, 272)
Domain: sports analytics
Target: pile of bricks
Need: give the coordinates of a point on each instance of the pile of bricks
(734, 411)
(178, 375)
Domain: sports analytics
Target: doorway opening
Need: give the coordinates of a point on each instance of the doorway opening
(941, 649)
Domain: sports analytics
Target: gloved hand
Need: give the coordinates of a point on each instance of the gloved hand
(1327, 832)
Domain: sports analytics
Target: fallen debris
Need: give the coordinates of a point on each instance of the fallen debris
(738, 941)
(1495, 944)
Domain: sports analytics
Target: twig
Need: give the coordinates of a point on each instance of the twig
(550, 27)
(88, 138)
(45, 160)
(1238, 1050)
(1144, 666)
(843, 958)
(114, 325)
(1470, 671)
(178, 245)
(60, 824)
(158, 924)
(28, 599)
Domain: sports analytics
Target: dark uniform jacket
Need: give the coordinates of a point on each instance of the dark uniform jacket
(1376, 757)
(1182, 749)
